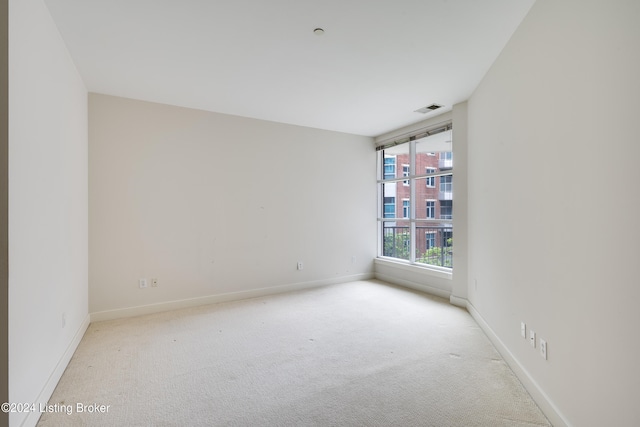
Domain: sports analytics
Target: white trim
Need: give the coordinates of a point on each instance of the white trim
(213, 299)
(431, 270)
(419, 221)
(413, 285)
(430, 123)
(46, 392)
(458, 302)
(545, 403)
(443, 172)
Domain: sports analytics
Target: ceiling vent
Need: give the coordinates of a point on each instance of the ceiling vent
(428, 108)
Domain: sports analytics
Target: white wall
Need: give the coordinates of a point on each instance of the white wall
(213, 204)
(554, 205)
(460, 207)
(48, 215)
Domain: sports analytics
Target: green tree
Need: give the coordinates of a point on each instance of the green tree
(397, 245)
(437, 255)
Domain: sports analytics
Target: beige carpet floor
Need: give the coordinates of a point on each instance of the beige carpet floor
(357, 354)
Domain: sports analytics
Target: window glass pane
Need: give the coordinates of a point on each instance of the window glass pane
(434, 152)
(430, 182)
(396, 239)
(426, 164)
(390, 200)
(426, 198)
(393, 160)
(446, 209)
(434, 244)
(445, 188)
(430, 209)
(389, 208)
(389, 167)
(398, 192)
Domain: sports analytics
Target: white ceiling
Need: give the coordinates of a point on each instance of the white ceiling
(377, 62)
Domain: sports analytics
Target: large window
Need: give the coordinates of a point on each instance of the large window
(421, 232)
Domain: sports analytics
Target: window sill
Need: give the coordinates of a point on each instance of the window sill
(433, 271)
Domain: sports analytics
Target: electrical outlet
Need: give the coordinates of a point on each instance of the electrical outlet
(532, 338)
(142, 283)
(543, 349)
(353, 259)
(154, 283)
(300, 265)
(523, 330)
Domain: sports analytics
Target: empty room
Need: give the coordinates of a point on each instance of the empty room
(319, 213)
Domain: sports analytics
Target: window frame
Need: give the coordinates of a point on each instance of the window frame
(413, 223)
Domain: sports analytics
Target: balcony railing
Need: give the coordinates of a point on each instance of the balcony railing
(444, 163)
(445, 195)
(434, 244)
(396, 241)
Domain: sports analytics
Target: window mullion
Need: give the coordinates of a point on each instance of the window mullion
(412, 201)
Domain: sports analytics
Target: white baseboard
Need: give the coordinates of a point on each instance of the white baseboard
(413, 285)
(213, 299)
(547, 406)
(46, 392)
(458, 302)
